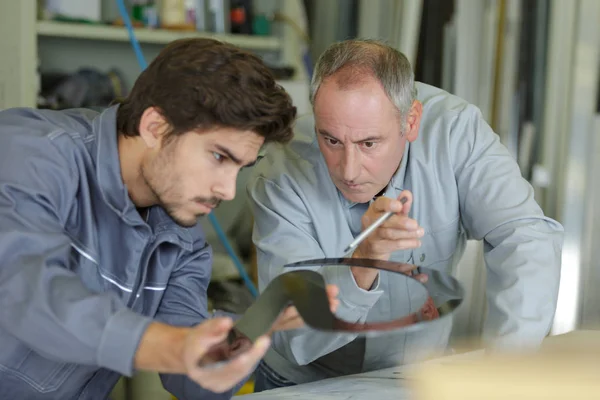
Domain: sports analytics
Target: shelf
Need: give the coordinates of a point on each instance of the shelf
(144, 35)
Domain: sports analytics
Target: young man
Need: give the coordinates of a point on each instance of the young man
(377, 137)
(102, 268)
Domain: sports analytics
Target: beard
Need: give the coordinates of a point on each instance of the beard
(165, 188)
(173, 207)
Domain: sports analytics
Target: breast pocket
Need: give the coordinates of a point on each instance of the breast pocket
(20, 362)
(438, 246)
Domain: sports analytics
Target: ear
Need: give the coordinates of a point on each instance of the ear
(152, 127)
(413, 121)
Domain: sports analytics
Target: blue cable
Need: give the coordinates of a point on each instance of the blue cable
(132, 38)
(221, 235)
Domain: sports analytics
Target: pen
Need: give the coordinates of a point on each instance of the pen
(363, 235)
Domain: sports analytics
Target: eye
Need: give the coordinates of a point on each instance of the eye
(218, 157)
(369, 145)
(332, 142)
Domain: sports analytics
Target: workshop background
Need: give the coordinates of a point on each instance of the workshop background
(532, 66)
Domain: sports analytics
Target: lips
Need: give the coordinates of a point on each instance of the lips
(208, 204)
(205, 208)
(350, 183)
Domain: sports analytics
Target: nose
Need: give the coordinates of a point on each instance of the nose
(350, 165)
(225, 187)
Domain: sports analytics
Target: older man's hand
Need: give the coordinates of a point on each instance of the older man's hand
(290, 319)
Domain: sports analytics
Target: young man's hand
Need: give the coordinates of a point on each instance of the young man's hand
(177, 350)
(222, 377)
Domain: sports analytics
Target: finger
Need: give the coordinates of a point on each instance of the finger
(216, 325)
(399, 234)
(385, 204)
(213, 330)
(290, 324)
(289, 313)
(223, 378)
(208, 334)
(389, 246)
(334, 304)
(332, 291)
(401, 221)
(423, 278)
(289, 319)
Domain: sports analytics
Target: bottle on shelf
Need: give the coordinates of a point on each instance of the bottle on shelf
(241, 16)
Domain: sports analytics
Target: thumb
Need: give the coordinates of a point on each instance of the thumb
(405, 198)
(208, 340)
(385, 204)
(212, 331)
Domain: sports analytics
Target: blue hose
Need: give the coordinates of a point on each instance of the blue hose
(221, 235)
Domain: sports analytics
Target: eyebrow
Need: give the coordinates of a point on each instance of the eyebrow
(323, 132)
(232, 157)
(367, 139)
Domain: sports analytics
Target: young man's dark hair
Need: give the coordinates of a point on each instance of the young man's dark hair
(200, 84)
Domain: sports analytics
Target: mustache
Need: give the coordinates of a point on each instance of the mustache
(212, 201)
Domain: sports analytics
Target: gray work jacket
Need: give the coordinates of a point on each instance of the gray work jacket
(81, 273)
(465, 185)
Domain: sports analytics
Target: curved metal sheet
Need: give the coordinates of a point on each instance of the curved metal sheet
(305, 289)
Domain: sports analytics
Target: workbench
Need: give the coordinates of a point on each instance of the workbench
(385, 384)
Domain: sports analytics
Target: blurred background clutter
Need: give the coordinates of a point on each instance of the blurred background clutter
(531, 66)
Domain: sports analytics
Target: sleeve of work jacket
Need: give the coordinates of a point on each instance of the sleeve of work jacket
(283, 233)
(42, 301)
(184, 303)
(522, 247)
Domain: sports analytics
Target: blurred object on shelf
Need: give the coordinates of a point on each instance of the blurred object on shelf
(211, 16)
(137, 10)
(144, 13)
(190, 13)
(261, 25)
(217, 16)
(151, 19)
(85, 88)
(241, 16)
(87, 10)
(172, 15)
(200, 14)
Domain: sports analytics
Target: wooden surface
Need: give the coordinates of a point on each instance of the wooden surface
(567, 367)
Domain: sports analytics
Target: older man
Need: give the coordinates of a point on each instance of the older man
(378, 137)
